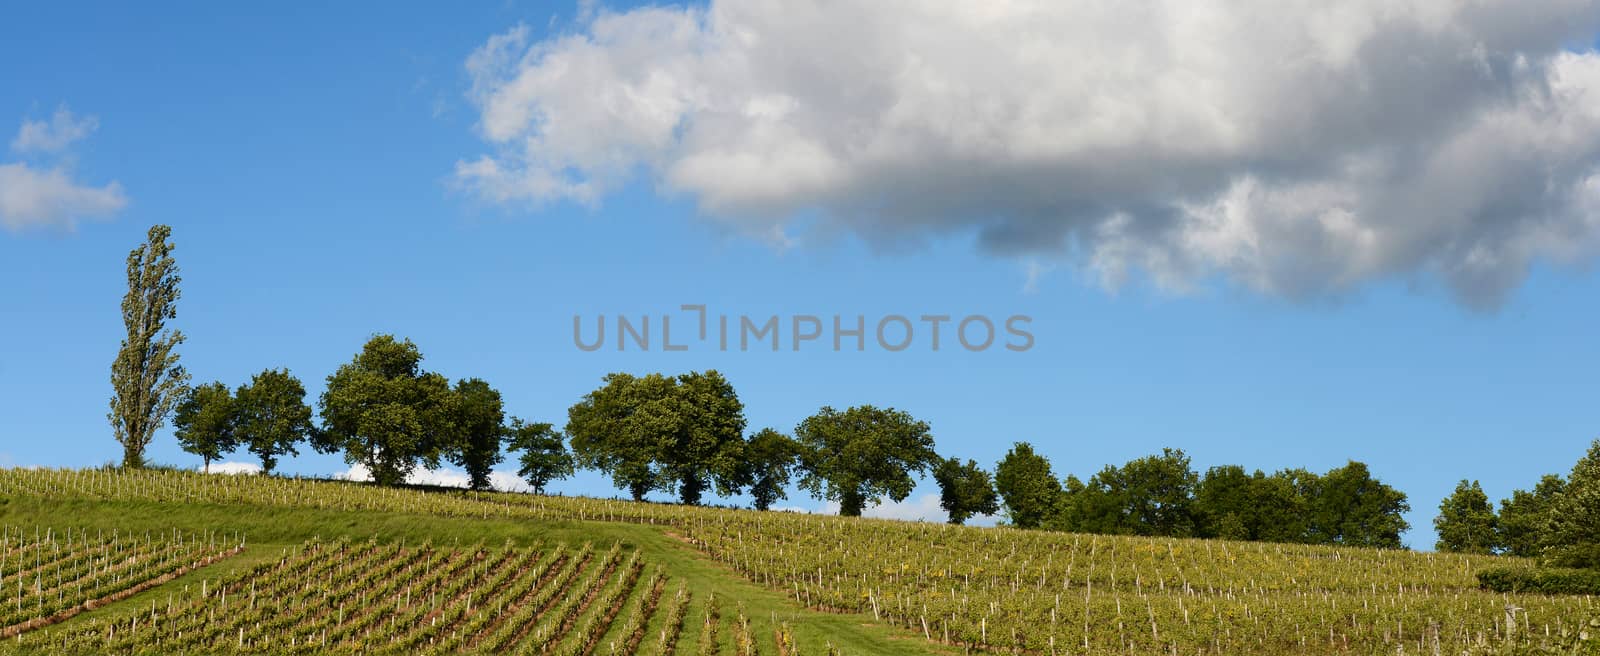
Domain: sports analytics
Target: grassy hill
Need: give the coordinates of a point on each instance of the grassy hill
(336, 566)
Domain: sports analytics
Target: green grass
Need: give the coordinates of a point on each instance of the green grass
(268, 530)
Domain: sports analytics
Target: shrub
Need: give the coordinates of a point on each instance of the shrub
(1546, 580)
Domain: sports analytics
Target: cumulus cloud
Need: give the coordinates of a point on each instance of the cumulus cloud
(62, 130)
(1297, 148)
(36, 195)
(235, 468)
(503, 481)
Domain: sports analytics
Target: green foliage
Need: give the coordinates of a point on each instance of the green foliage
(480, 425)
(1153, 495)
(611, 431)
(146, 379)
(706, 446)
(770, 458)
(383, 411)
(1573, 539)
(862, 454)
(1234, 505)
(271, 416)
(1466, 521)
(1525, 517)
(204, 422)
(1545, 580)
(544, 455)
(965, 490)
(1350, 507)
(656, 432)
(1027, 487)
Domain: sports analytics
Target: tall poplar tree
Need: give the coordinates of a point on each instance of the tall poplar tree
(146, 379)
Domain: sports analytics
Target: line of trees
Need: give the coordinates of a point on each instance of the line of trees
(1162, 495)
(686, 435)
(1558, 521)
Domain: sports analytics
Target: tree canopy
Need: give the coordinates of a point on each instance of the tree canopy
(272, 416)
(203, 422)
(480, 426)
(146, 379)
(544, 455)
(1028, 489)
(965, 490)
(770, 458)
(1466, 521)
(861, 454)
(384, 412)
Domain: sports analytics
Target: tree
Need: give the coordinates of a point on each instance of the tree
(272, 416)
(1230, 504)
(706, 447)
(683, 434)
(146, 379)
(384, 412)
(619, 429)
(862, 454)
(1525, 517)
(1160, 493)
(770, 457)
(1028, 489)
(1466, 521)
(204, 422)
(480, 425)
(544, 456)
(1573, 537)
(965, 490)
(1352, 508)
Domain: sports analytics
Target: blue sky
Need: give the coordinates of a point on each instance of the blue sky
(308, 161)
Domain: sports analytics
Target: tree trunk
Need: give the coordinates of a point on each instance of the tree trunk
(850, 503)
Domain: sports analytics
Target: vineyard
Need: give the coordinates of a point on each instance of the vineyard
(50, 577)
(574, 576)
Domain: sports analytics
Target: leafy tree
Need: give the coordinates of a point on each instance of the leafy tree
(272, 416)
(1278, 509)
(1234, 505)
(1027, 487)
(480, 425)
(544, 456)
(655, 432)
(706, 446)
(1160, 494)
(965, 490)
(771, 458)
(1350, 507)
(1525, 517)
(383, 411)
(615, 429)
(1573, 538)
(1099, 505)
(1466, 521)
(204, 422)
(146, 379)
(861, 454)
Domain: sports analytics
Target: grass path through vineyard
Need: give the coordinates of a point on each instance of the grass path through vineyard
(269, 531)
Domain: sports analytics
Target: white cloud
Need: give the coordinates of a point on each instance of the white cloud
(504, 481)
(1297, 148)
(61, 131)
(36, 196)
(235, 468)
(31, 197)
(923, 508)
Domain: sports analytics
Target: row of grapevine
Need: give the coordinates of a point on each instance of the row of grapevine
(371, 597)
(52, 576)
(1037, 592)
